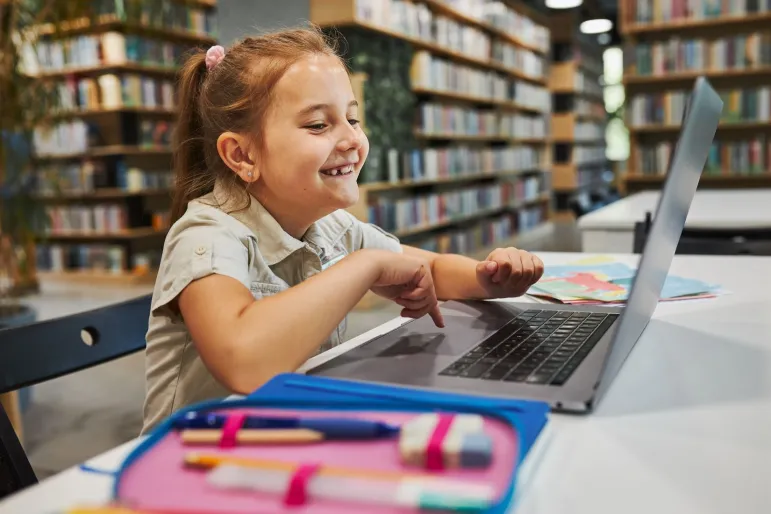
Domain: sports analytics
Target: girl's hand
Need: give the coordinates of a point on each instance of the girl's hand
(407, 281)
(509, 272)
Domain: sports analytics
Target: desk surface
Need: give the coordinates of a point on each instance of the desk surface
(710, 209)
(684, 428)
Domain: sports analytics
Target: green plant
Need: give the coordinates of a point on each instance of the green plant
(25, 102)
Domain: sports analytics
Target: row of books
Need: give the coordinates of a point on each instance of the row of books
(155, 133)
(518, 58)
(664, 11)
(418, 21)
(168, 14)
(750, 104)
(449, 119)
(587, 83)
(110, 48)
(428, 210)
(585, 107)
(425, 164)
(437, 74)
(500, 15)
(110, 91)
(78, 136)
(485, 234)
(587, 154)
(726, 157)
(97, 257)
(739, 52)
(103, 218)
(588, 131)
(88, 177)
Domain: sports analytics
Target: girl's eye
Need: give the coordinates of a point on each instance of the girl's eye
(317, 126)
(353, 122)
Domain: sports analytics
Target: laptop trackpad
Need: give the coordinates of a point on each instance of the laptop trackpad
(422, 344)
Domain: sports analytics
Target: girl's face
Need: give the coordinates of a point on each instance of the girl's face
(314, 145)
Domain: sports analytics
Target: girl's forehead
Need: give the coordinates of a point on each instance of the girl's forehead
(317, 77)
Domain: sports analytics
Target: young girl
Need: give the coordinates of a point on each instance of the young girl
(263, 263)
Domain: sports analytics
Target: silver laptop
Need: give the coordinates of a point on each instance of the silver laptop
(564, 355)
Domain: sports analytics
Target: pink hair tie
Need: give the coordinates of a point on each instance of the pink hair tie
(213, 56)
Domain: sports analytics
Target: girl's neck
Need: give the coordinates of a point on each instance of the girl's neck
(292, 220)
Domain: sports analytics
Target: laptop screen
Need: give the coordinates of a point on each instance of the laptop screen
(700, 120)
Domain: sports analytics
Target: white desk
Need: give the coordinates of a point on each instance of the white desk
(684, 429)
(611, 228)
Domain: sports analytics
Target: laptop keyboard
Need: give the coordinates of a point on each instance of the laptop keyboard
(536, 347)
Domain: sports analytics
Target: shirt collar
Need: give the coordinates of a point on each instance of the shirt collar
(274, 243)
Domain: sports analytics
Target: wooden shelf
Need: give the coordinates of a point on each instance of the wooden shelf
(109, 150)
(726, 23)
(685, 78)
(479, 214)
(160, 111)
(436, 49)
(458, 179)
(101, 69)
(102, 194)
(98, 277)
(442, 8)
(481, 138)
(127, 234)
(112, 22)
(462, 97)
(723, 127)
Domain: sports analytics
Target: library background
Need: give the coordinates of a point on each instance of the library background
(491, 122)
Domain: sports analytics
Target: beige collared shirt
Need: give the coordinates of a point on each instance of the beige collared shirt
(250, 246)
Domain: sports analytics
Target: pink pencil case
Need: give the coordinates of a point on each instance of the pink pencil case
(155, 478)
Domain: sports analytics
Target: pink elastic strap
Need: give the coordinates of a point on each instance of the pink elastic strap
(230, 428)
(297, 491)
(434, 457)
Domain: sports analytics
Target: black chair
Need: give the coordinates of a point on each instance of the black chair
(37, 352)
(713, 241)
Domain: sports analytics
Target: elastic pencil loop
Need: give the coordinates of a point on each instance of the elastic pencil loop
(434, 454)
(297, 491)
(230, 428)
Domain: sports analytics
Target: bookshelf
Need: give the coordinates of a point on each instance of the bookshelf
(667, 48)
(578, 116)
(471, 170)
(103, 160)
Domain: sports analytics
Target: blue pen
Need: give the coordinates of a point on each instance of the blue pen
(332, 428)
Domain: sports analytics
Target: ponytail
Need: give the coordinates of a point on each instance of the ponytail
(231, 96)
(191, 176)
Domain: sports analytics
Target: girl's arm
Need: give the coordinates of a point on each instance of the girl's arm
(506, 273)
(244, 342)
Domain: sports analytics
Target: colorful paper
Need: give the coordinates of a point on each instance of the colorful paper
(601, 280)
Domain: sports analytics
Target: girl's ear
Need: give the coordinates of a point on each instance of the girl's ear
(234, 151)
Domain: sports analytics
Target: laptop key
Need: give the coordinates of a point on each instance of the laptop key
(517, 376)
(496, 373)
(571, 365)
(474, 371)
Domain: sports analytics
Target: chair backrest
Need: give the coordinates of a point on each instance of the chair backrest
(41, 351)
(714, 241)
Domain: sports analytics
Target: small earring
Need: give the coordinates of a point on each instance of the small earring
(249, 174)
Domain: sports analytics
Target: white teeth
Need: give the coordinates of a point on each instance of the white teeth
(343, 170)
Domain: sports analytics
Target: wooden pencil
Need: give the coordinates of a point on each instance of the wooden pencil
(257, 436)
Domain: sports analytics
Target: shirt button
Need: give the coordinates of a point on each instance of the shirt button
(200, 250)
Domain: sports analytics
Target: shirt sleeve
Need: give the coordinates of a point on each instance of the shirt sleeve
(368, 235)
(195, 249)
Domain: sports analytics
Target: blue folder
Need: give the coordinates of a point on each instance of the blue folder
(531, 415)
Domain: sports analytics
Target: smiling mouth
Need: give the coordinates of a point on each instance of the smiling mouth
(339, 171)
